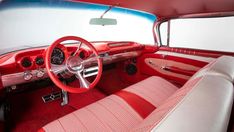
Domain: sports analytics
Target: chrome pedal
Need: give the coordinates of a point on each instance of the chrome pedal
(52, 97)
(65, 98)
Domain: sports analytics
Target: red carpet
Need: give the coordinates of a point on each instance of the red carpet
(29, 112)
(80, 100)
(112, 82)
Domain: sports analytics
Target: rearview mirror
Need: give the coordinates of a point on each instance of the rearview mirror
(103, 21)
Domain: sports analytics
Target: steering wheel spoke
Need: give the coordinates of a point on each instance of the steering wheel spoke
(91, 71)
(83, 82)
(56, 69)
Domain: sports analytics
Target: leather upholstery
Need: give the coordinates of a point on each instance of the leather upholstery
(206, 108)
(113, 113)
(140, 105)
(222, 66)
(156, 116)
(109, 114)
(153, 89)
(203, 104)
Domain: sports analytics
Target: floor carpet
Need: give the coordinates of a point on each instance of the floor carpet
(29, 112)
(112, 82)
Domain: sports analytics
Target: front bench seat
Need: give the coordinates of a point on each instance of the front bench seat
(117, 112)
(202, 104)
(222, 66)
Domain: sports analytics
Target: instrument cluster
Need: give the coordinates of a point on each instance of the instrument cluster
(33, 66)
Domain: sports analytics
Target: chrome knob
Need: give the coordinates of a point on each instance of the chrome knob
(40, 73)
(28, 75)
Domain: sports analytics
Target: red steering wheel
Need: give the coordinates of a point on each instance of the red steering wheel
(73, 64)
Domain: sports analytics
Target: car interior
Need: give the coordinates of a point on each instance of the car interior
(117, 65)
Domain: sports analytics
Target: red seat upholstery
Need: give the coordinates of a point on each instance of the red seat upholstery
(203, 104)
(154, 89)
(113, 113)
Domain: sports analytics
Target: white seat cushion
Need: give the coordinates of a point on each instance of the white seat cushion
(222, 66)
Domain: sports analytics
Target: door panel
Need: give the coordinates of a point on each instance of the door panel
(176, 69)
(163, 66)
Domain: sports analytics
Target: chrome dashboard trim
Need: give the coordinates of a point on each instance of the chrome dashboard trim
(119, 57)
(18, 78)
(119, 44)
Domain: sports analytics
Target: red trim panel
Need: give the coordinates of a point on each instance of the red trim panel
(140, 105)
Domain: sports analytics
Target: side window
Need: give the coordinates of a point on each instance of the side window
(200, 33)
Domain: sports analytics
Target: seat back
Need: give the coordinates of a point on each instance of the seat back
(202, 104)
(222, 66)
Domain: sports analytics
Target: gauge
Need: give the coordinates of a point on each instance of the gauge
(57, 56)
(39, 61)
(26, 62)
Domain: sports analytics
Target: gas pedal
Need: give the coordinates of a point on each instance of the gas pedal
(52, 97)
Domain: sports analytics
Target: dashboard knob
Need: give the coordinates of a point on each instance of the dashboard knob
(40, 73)
(27, 75)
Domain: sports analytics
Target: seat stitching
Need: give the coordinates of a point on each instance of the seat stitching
(166, 110)
(106, 126)
(162, 91)
(173, 97)
(113, 114)
(160, 116)
(179, 102)
(162, 109)
(80, 121)
(125, 108)
(137, 90)
(61, 125)
(151, 99)
(151, 87)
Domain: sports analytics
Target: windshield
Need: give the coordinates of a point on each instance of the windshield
(32, 24)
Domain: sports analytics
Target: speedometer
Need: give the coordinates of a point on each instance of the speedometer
(57, 56)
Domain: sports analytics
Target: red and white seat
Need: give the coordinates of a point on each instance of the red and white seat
(223, 66)
(115, 112)
(203, 104)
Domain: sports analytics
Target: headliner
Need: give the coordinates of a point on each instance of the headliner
(171, 8)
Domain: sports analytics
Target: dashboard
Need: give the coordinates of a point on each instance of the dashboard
(29, 65)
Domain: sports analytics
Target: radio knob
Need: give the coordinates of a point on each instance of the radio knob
(28, 76)
(40, 73)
